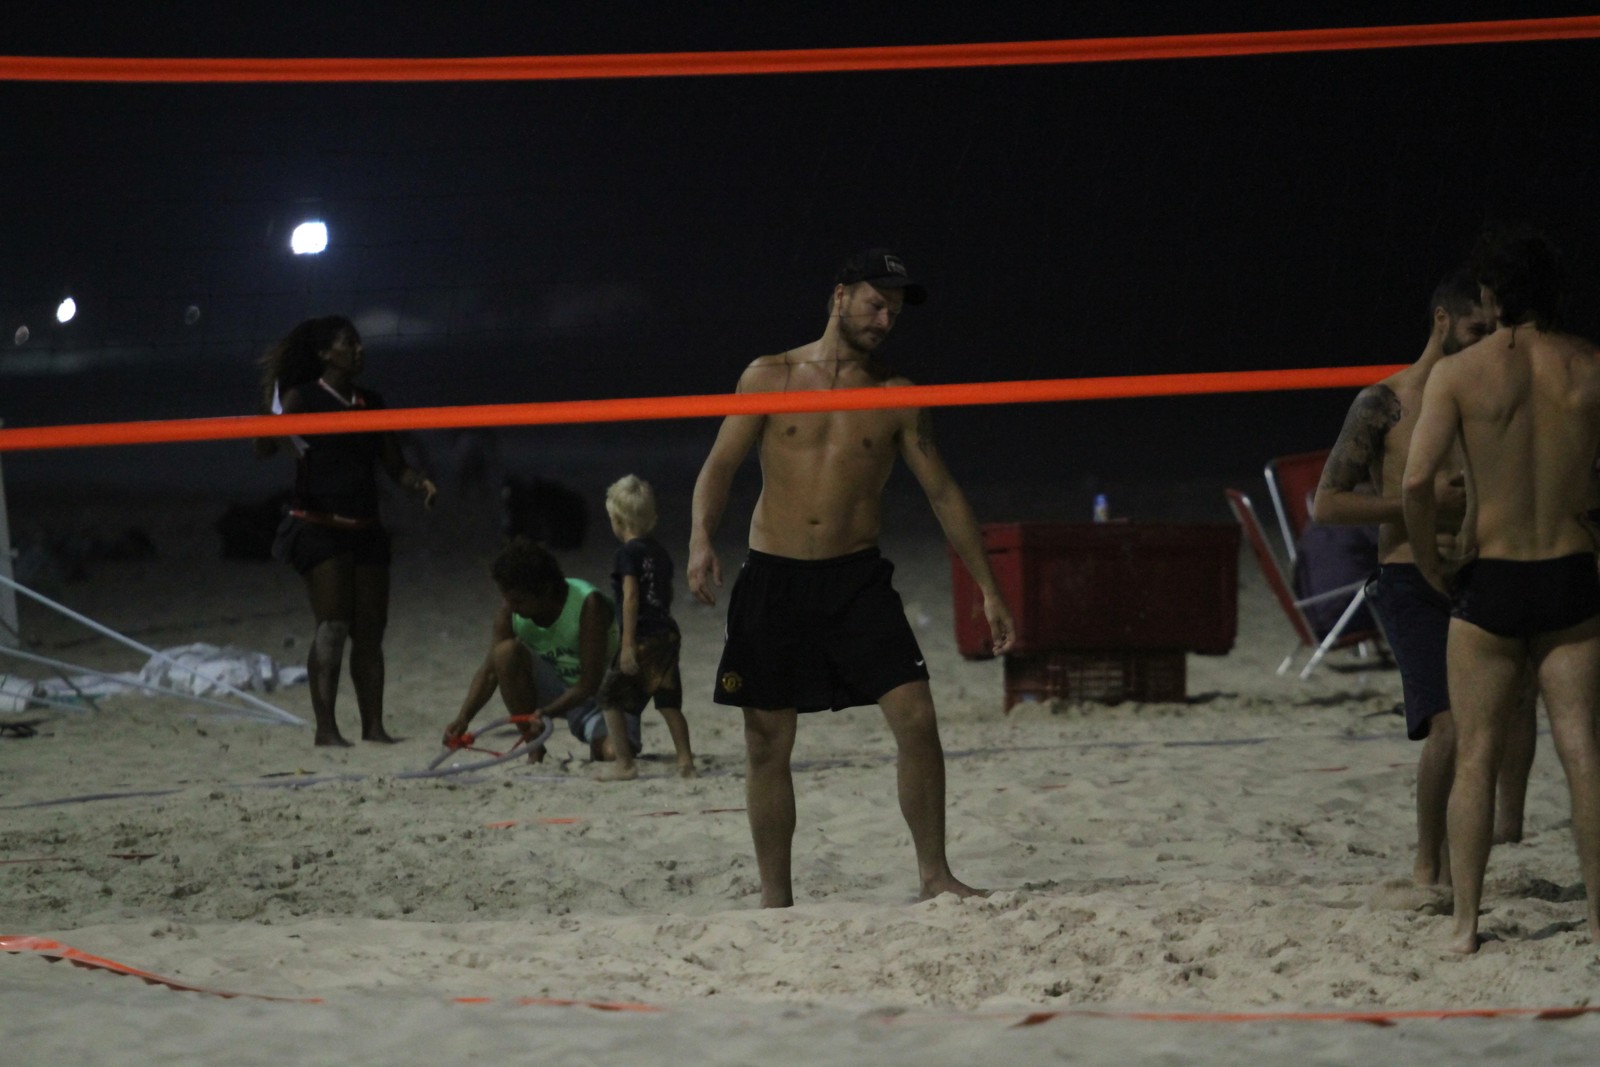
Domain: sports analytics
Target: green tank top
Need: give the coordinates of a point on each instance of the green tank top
(557, 644)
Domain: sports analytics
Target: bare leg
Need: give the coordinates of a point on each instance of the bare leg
(366, 649)
(1511, 792)
(1569, 675)
(1485, 675)
(513, 672)
(331, 585)
(920, 771)
(622, 768)
(679, 728)
(1436, 769)
(769, 797)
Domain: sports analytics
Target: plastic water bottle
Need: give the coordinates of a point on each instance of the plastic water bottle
(1102, 508)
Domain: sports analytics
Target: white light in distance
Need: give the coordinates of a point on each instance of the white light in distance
(66, 309)
(309, 238)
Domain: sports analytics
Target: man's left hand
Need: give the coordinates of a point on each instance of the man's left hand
(1002, 632)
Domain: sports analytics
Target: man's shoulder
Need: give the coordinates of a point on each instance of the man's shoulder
(1473, 361)
(1383, 398)
(1569, 344)
(768, 373)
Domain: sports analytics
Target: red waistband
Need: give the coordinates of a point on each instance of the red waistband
(340, 522)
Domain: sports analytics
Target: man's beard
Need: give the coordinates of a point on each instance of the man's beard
(1451, 345)
(861, 340)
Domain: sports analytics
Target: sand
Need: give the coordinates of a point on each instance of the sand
(1247, 851)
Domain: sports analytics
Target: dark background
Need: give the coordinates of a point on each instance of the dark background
(534, 241)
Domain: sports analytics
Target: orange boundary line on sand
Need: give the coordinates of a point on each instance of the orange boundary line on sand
(634, 409)
(792, 61)
(55, 950)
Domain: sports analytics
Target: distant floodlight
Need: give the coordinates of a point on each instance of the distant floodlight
(309, 238)
(66, 309)
(21, 336)
(191, 315)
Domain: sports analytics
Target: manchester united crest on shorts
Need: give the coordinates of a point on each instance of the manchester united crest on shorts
(731, 682)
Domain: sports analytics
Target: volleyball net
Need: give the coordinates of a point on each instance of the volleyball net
(432, 272)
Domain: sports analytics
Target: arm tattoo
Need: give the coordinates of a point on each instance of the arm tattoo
(1360, 442)
(925, 440)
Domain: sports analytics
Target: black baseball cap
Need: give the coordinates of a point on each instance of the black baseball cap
(881, 269)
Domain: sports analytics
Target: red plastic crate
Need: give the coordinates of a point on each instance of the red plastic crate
(1109, 586)
(1100, 677)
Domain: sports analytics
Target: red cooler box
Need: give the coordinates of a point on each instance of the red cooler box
(1106, 586)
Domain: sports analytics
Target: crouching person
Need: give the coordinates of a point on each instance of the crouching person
(553, 638)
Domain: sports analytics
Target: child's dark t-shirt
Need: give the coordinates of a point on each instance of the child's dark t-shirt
(646, 560)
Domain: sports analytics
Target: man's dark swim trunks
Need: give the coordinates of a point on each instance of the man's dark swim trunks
(1524, 598)
(1416, 621)
(816, 634)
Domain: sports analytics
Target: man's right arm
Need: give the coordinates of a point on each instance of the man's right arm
(483, 684)
(1354, 459)
(1438, 424)
(737, 435)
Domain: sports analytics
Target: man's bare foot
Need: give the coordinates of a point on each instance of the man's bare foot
(380, 735)
(335, 740)
(1507, 835)
(686, 768)
(617, 772)
(950, 885)
(1464, 940)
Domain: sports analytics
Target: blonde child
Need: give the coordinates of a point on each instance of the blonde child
(647, 660)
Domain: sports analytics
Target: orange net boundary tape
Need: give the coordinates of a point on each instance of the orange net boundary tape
(685, 407)
(55, 950)
(792, 61)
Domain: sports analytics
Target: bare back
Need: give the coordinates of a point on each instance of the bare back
(1372, 449)
(822, 473)
(1528, 405)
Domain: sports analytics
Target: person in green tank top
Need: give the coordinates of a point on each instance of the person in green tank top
(553, 638)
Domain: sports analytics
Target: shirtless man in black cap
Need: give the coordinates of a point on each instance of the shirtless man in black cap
(814, 622)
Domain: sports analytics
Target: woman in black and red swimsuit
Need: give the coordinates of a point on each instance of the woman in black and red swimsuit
(332, 533)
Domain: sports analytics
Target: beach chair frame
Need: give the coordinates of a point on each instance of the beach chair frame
(1291, 482)
(1340, 636)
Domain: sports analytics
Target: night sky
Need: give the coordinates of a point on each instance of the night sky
(554, 240)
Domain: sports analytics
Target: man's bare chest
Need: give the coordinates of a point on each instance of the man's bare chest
(834, 435)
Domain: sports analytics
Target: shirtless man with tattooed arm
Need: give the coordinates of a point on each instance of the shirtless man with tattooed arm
(814, 622)
(1371, 450)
